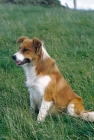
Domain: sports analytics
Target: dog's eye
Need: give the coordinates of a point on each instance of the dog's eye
(24, 50)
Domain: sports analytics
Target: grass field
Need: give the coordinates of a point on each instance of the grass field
(69, 38)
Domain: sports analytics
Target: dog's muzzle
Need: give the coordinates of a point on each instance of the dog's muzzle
(18, 62)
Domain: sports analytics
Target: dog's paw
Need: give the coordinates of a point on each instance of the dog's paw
(40, 119)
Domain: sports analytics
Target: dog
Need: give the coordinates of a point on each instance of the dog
(46, 85)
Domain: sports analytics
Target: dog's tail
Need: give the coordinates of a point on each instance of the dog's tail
(76, 108)
(88, 116)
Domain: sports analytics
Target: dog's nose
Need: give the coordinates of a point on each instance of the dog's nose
(14, 57)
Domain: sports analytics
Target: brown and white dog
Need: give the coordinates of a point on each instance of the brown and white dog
(45, 83)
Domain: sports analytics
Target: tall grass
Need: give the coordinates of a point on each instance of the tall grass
(69, 38)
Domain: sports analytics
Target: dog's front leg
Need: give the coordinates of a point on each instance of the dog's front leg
(45, 106)
(32, 103)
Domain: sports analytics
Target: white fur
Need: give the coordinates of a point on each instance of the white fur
(71, 111)
(45, 106)
(37, 88)
(88, 116)
(19, 56)
(45, 54)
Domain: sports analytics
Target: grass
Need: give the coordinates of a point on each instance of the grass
(69, 38)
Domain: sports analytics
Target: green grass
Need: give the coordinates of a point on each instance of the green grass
(69, 38)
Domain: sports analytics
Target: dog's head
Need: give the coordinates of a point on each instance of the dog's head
(29, 51)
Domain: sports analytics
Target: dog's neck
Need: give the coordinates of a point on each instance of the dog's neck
(45, 54)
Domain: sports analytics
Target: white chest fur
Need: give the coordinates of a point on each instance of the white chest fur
(36, 85)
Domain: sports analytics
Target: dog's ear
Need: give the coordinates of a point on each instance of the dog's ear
(37, 45)
(21, 39)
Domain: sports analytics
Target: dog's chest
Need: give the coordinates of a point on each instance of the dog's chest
(36, 85)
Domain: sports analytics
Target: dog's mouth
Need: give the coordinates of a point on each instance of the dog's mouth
(25, 61)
